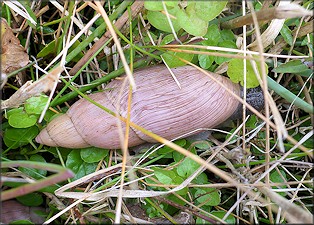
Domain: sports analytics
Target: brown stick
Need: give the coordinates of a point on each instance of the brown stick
(135, 9)
(262, 15)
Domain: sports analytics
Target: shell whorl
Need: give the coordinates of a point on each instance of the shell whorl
(158, 105)
(61, 132)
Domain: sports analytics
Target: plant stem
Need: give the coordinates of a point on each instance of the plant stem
(289, 96)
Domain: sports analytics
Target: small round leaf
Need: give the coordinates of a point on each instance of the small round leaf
(21, 119)
(93, 154)
(35, 105)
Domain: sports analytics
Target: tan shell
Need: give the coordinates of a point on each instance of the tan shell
(158, 105)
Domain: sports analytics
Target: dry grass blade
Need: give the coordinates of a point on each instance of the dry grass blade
(115, 38)
(254, 170)
(284, 10)
(294, 213)
(19, 8)
(30, 89)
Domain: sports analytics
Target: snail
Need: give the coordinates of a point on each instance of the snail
(158, 105)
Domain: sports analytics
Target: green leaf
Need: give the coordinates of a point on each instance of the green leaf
(78, 166)
(279, 177)
(32, 199)
(46, 30)
(93, 154)
(235, 72)
(201, 179)
(160, 21)
(212, 36)
(171, 57)
(293, 66)
(164, 150)
(13, 111)
(35, 105)
(189, 21)
(203, 145)
(35, 173)
(205, 61)
(208, 10)
(16, 137)
(157, 5)
(307, 41)
(172, 60)
(20, 119)
(286, 34)
(226, 44)
(164, 176)
(220, 214)
(177, 157)
(177, 181)
(207, 196)
(227, 35)
(251, 122)
(51, 49)
(187, 167)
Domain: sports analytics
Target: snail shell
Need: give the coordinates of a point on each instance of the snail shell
(158, 105)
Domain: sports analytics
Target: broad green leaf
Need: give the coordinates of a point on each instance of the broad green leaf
(277, 177)
(179, 180)
(220, 214)
(226, 44)
(160, 21)
(177, 156)
(212, 36)
(308, 41)
(251, 122)
(172, 60)
(35, 105)
(203, 145)
(167, 39)
(166, 149)
(157, 5)
(234, 138)
(78, 166)
(189, 21)
(187, 167)
(208, 10)
(205, 61)
(164, 176)
(293, 66)
(35, 173)
(201, 179)
(227, 35)
(21, 119)
(13, 144)
(13, 111)
(93, 154)
(286, 34)
(32, 199)
(235, 72)
(176, 200)
(207, 196)
(171, 57)
(16, 137)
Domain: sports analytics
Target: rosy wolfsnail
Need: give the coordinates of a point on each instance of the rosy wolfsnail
(158, 105)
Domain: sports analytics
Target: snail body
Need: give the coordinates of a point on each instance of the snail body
(158, 105)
